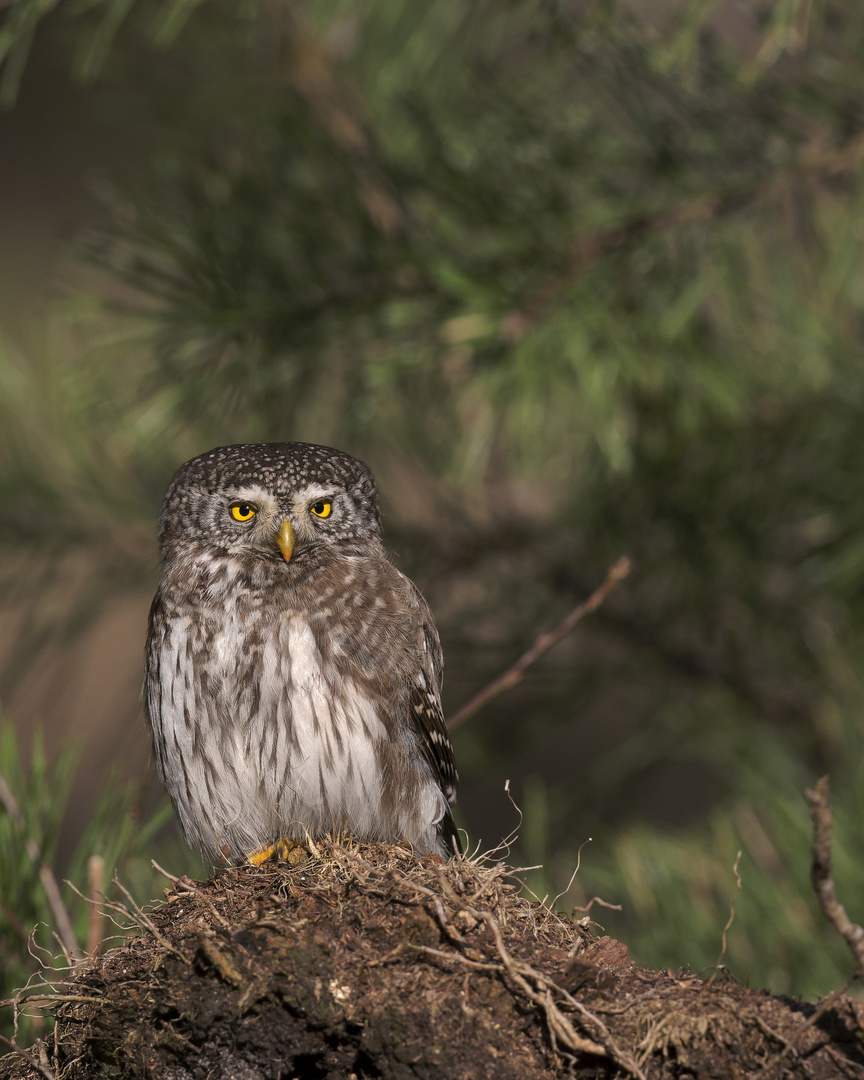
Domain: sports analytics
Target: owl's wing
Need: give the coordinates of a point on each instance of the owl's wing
(428, 717)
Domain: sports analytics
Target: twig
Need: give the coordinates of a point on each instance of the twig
(544, 642)
(594, 900)
(182, 885)
(790, 1048)
(171, 877)
(70, 963)
(46, 874)
(729, 921)
(775, 1035)
(822, 817)
(142, 919)
(50, 999)
(138, 917)
(584, 909)
(31, 1061)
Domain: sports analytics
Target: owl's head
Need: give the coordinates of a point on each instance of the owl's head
(276, 500)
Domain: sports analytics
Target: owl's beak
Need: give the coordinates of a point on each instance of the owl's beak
(285, 539)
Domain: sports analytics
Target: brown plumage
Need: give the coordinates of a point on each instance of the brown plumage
(293, 673)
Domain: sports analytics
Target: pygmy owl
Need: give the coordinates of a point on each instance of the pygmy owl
(293, 674)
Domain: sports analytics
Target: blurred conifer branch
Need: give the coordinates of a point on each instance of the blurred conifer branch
(100, 22)
(309, 67)
(810, 160)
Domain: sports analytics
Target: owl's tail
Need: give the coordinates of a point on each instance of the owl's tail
(449, 836)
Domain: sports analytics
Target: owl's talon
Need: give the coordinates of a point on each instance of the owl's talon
(283, 850)
(255, 858)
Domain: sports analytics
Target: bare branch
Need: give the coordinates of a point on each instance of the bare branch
(544, 643)
(821, 876)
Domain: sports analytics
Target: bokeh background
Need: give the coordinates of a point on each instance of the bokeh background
(577, 280)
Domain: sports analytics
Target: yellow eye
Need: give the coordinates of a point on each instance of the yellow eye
(243, 511)
(321, 508)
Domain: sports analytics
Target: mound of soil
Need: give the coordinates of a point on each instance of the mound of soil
(368, 961)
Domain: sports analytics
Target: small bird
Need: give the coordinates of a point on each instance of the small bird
(293, 674)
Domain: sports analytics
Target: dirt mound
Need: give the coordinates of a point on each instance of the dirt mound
(367, 961)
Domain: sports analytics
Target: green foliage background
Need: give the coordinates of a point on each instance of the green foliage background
(577, 280)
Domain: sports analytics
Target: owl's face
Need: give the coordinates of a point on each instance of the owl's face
(277, 501)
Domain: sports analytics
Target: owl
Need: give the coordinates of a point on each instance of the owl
(293, 674)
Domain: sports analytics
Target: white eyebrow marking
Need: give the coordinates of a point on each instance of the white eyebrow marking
(313, 492)
(258, 495)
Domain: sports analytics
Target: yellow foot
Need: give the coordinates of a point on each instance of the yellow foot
(284, 850)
